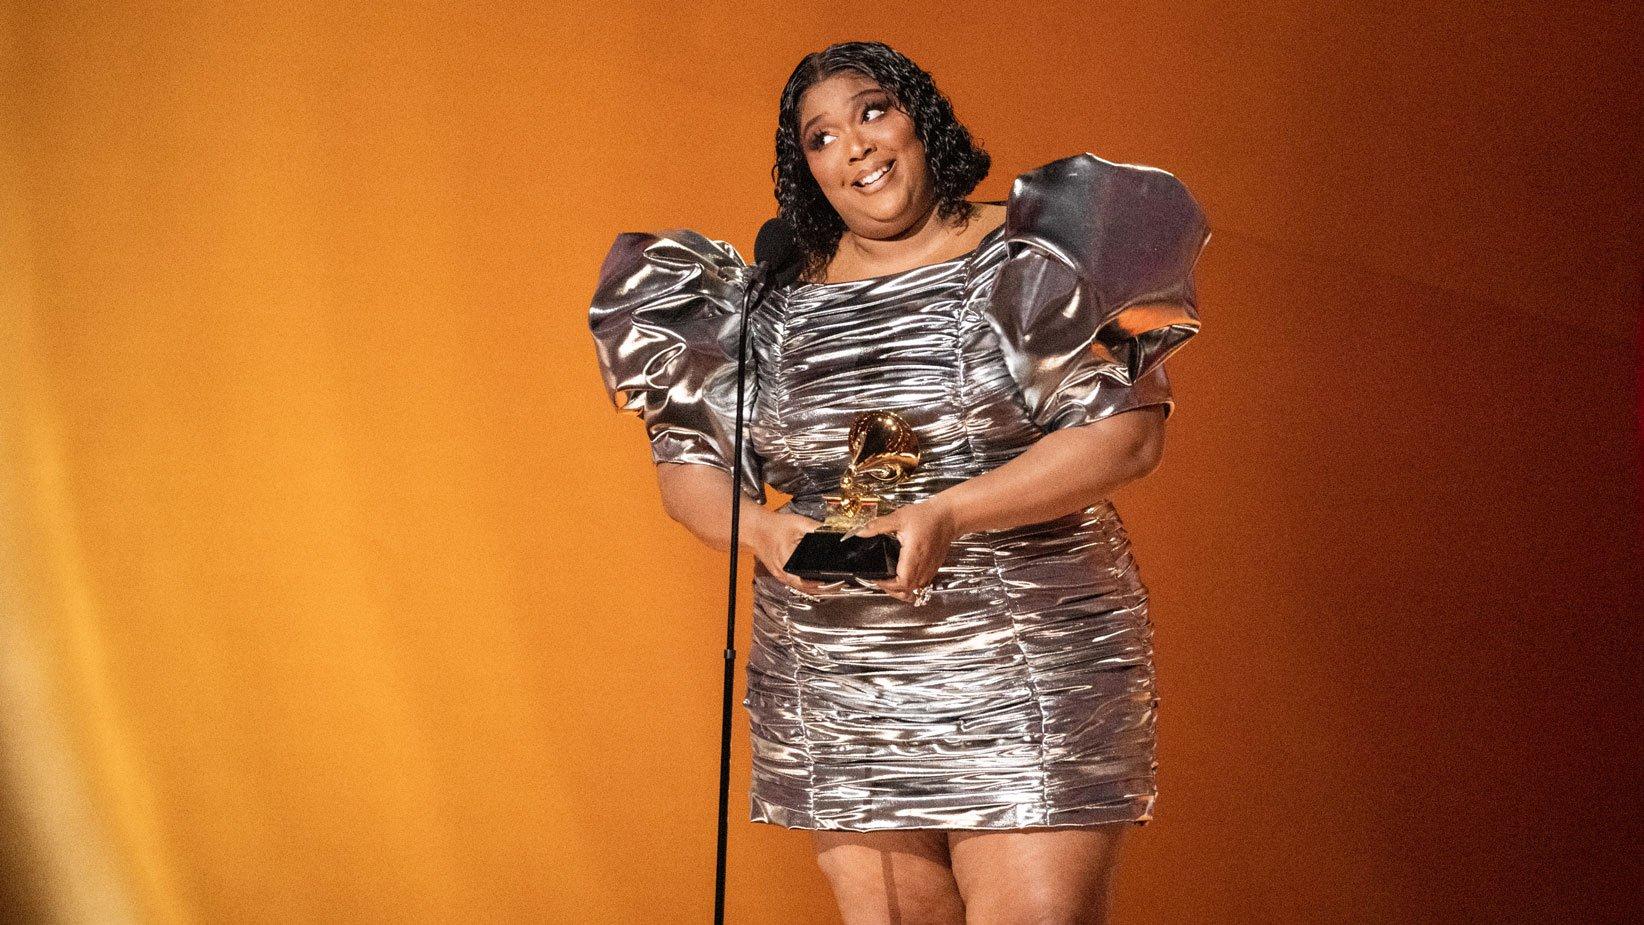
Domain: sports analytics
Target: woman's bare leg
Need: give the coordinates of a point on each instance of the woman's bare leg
(890, 877)
(1061, 875)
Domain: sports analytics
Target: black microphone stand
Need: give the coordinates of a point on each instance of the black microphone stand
(765, 274)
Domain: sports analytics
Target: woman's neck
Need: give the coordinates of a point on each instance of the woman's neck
(930, 240)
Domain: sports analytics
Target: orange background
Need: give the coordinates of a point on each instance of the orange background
(332, 588)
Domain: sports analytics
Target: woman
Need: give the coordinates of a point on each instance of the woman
(976, 733)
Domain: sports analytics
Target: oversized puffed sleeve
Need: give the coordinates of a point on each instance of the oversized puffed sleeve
(1096, 286)
(666, 316)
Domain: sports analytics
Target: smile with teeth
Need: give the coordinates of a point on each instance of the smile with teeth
(876, 179)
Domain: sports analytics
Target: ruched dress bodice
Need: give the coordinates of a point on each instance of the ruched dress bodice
(913, 343)
(1023, 693)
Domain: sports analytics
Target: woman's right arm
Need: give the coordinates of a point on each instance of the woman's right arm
(698, 498)
(665, 307)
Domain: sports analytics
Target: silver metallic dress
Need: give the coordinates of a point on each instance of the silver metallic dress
(1022, 694)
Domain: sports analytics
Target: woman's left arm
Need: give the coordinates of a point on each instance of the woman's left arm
(1064, 471)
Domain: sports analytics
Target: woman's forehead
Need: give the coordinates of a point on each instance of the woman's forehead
(838, 87)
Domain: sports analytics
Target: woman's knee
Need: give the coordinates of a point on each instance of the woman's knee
(900, 877)
(1047, 904)
(1056, 876)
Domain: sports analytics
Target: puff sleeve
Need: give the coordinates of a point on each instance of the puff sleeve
(1096, 287)
(665, 318)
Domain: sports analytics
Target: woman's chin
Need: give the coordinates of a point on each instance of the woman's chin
(889, 211)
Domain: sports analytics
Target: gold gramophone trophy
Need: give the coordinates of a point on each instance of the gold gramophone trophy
(884, 449)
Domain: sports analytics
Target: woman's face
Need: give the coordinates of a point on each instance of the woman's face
(848, 130)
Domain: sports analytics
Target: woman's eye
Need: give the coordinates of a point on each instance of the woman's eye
(816, 140)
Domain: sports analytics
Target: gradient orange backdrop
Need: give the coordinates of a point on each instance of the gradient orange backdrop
(332, 589)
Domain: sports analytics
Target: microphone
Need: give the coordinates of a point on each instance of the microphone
(776, 252)
(777, 249)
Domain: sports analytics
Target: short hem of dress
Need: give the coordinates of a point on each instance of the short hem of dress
(1138, 813)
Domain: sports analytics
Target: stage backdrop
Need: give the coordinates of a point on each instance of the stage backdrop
(334, 590)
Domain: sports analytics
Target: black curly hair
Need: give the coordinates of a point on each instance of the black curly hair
(954, 162)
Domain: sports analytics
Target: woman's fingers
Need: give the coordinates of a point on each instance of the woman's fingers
(800, 584)
(909, 563)
(916, 568)
(905, 565)
(801, 525)
(891, 523)
(807, 585)
(803, 584)
(884, 523)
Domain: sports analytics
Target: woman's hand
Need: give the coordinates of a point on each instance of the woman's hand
(773, 538)
(925, 529)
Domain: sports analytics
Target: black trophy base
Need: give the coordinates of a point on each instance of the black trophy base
(828, 556)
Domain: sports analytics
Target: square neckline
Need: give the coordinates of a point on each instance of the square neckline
(967, 255)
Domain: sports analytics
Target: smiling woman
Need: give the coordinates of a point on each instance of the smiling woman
(990, 708)
(870, 113)
(859, 184)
